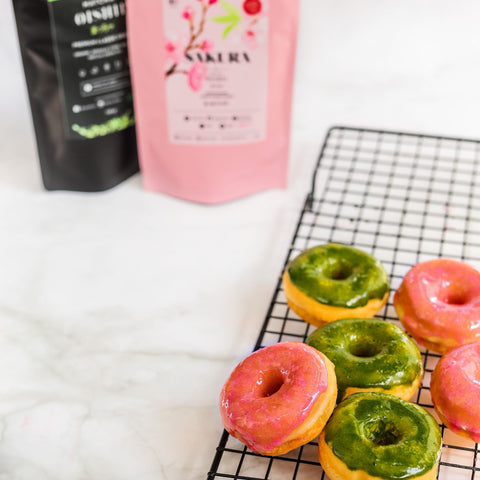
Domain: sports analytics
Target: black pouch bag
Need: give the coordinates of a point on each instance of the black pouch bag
(75, 59)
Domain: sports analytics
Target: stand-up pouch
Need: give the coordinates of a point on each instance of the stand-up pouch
(213, 89)
(75, 60)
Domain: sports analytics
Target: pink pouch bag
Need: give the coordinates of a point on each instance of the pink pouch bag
(212, 83)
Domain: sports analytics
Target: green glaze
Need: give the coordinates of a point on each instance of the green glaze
(338, 275)
(368, 352)
(384, 436)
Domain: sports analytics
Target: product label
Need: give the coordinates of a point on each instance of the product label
(216, 70)
(90, 45)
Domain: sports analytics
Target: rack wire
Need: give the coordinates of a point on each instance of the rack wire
(405, 198)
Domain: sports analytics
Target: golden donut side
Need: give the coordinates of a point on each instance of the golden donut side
(317, 313)
(405, 392)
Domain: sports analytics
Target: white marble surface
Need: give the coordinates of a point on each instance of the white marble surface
(122, 313)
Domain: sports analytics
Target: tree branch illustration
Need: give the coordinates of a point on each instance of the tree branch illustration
(193, 38)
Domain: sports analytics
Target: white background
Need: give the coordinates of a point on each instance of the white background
(122, 313)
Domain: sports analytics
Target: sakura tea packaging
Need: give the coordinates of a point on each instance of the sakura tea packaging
(212, 83)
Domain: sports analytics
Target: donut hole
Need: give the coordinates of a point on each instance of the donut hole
(340, 271)
(363, 348)
(382, 432)
(456, 298)
(271, 383)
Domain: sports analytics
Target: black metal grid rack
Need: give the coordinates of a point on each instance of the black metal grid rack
(405, 198)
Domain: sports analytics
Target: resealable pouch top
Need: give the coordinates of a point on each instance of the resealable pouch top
(212, 83)
(75, 60)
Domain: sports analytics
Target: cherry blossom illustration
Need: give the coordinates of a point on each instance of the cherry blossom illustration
(195, 76)
(173, 50)
(195, 19)
(249, 38)
(195, 16)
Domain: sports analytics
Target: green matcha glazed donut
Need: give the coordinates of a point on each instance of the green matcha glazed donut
(328, 282)
(380, 436)
(370, 354)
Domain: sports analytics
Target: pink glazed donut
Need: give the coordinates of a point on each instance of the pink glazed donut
(279, 397)
(438, 303)
(455, 390)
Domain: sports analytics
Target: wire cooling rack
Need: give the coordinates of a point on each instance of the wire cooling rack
(405, 198)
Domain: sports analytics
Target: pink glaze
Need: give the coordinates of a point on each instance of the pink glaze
(440, 298)
(455, 389)
(271, 392)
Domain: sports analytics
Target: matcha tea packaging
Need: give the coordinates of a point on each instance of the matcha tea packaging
(212, 83)
(76, 66)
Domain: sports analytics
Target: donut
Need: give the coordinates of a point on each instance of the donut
(370, 355)
(279, 398)
(455, 390)
(373, 436)
(328, 282)
(438, 303)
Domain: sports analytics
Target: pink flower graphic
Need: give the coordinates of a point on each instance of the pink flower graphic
(206, 46)
(211, 2)
(196, 74)
(187, 13)
(173, 50)
(250, 38)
